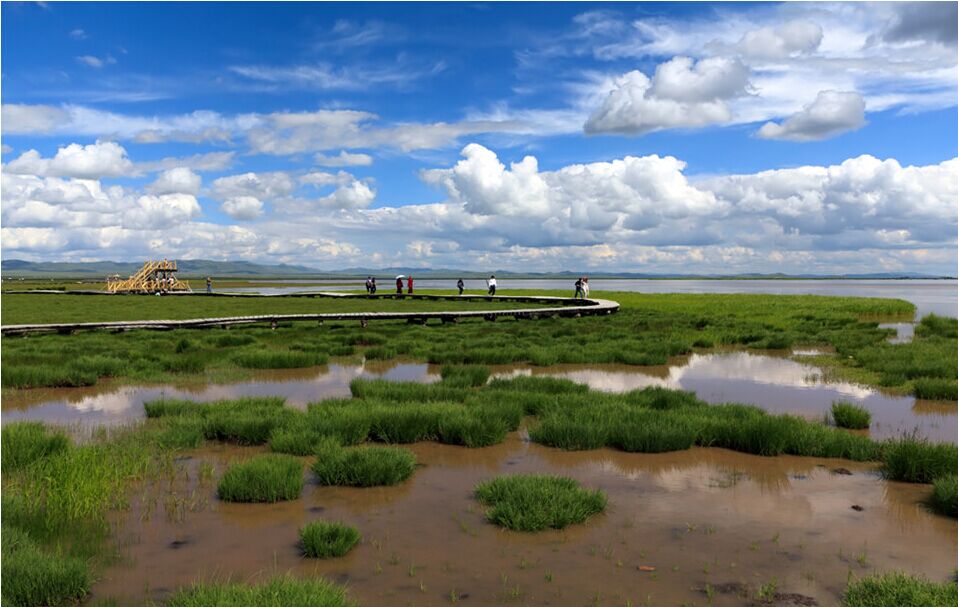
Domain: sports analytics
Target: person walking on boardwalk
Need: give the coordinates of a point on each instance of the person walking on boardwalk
(578, 289)
(491, 283)
(209, 284)
(460, 285)
(369, 285)
(372, 285)
(409, 285)
(585, 288)
(399, 285)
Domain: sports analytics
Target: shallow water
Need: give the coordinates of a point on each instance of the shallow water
(702, 516)
(929, 296)
(777, 384)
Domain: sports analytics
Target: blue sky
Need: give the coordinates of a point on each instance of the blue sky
(641, 137)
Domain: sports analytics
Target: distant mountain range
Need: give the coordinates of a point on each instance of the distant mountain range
(245, 269)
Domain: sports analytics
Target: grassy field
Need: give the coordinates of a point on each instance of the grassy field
(197, 284)
(45, 308)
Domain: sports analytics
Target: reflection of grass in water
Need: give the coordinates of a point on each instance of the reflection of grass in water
(537, 502)
(283, 591)
(321, 539)
(850, 415)
(264, 478)
(899, 589)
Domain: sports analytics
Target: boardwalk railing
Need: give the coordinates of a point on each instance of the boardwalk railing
(562, 307)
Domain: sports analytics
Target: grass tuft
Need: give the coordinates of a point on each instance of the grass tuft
(365, 466)
(850, 415)
(33, 577)
(467, 376)
(898, 589)
(537, 502)
(936, 389)
(944, 495)
(264, 478)
(321, 539)
(915, 460)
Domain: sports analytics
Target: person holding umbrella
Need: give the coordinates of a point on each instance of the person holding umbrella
(399, 284)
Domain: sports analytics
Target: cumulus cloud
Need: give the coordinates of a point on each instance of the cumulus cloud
(798, 36)
(343, 159)
(830, 114)
(243, 208)
(354, 195)
(90, 61)
(179, 180)
(94, 161)
(925, 21)
(683, 93)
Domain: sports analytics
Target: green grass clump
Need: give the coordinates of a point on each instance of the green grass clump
(850, 415)
(898, 589)
(246, 421)
(396, 391)
(536, 502)
(915, 460)
(285, 591)
(26, 442)
(944, 495)
(323, 540)
(264, 478)
(937, 326)
(35, 578)
(365, 466)
(470, 376)
(936, 389)
(279, 360)
(36, 376)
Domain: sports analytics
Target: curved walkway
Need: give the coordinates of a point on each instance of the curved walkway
(564, 307)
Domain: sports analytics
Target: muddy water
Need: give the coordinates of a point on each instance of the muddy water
(778, 384)
(703, 516)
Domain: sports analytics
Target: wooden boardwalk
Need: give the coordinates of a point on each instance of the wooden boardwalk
(562, 307)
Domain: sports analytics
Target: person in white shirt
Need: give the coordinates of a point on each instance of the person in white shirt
(491, 283)
(585, 287)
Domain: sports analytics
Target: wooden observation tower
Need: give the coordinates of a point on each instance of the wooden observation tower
(153, 277)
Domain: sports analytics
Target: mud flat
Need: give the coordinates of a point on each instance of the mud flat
(680, 527)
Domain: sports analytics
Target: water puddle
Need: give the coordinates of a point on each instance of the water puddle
(688, 519)
(904, 331)
(777, 384)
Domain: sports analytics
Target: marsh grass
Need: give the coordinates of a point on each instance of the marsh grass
(537, 502)
(279, 359)
(264, 478)
(916, 460)
(899, 589)
(850, 415)
(33, 577)
(285, 591)
(467, 376)
(26, 442)
(366, 466)
(944, 495)
(936, 389)
(321, 539)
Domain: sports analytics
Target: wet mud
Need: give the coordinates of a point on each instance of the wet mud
(681, 528)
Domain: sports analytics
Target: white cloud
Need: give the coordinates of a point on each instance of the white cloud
(96, 62)
(179, 180)
(354, 195)
(343, 159)
(243, 208)
(798, 36)
(100, 159)
(19, 118)
(681, 94)
(210, 161)
(5, 149)
(259, 185)
(832, 113)
(78, 34)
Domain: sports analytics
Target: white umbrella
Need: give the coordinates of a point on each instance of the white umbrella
(401, 276)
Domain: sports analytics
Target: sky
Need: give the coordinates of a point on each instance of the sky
(638, 137)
